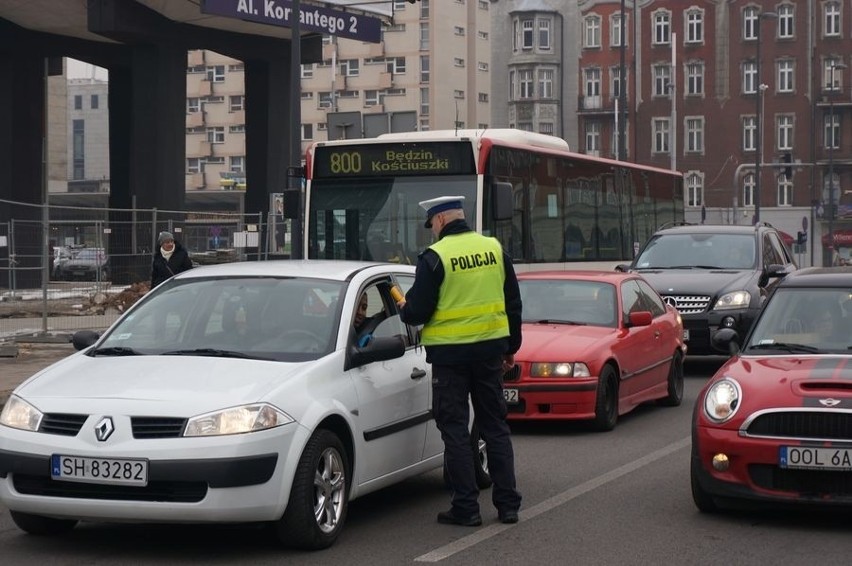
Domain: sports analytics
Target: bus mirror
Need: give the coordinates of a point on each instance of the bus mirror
(501, 199)
(292, 199)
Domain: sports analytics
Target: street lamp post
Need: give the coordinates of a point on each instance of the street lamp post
(758, 95)
(832, 208)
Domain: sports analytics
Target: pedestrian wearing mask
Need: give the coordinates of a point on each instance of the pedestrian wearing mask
(170, 258)
(466, 296)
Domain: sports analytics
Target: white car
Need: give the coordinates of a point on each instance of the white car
(230, 393)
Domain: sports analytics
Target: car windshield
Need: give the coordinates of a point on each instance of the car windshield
(564, 301)
(89, 254)
(804, 319)
(700, 251)
(277, 318)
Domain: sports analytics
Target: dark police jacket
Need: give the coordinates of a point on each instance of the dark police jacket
(422, 299)
(162, 270)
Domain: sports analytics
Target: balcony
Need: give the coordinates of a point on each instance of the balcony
(591, 105)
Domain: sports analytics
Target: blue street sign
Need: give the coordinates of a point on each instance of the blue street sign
(313, 18)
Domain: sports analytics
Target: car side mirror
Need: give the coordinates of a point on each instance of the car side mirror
(726, 340)
(640, 318)
(82, 339)
(623, 267)
(376, 349)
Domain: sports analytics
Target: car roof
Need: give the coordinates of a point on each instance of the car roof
(819, 277)
(337, 270)
(581, 275)
(713, 229)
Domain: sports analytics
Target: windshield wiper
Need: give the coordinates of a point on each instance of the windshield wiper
(115, 351)
(214, 352)
(555, 321)
(788, 346)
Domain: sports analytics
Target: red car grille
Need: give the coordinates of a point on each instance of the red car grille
(804, 482)
(827, 425)
(514, 374)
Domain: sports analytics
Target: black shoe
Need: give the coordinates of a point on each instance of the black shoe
(449, 518)
(508, 517)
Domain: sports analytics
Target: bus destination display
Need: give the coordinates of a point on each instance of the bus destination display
(394, 159)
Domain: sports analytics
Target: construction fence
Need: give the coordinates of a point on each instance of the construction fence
(64, 269)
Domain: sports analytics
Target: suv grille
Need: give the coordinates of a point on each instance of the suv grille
(688, 304)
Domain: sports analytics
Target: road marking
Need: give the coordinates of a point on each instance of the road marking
(481, 535)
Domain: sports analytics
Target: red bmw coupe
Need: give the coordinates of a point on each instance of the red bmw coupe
(774, 424)
(595, 345)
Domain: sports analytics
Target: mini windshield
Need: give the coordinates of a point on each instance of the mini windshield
(799, 320)
(701, 250)
(288, 319)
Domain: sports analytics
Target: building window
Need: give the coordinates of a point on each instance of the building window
(593, 137)
(662, 79)
(424, 101)
(193, 105)
(78, 102)
(237, 129)
(748, 190)
(831, 131)
(482, 97)
(350, 67)
(94, 101)
(458, 30)
(592, 32)
(615, 31)
(425, 63)
(236, 102)
(193, 165)
(396, 65)
(662, 27)
(216, 73)
(78, 137)
(695, 135)
(749, 77)
(482, 66)
(615, 82)
(831, 19)
(458, 62)
(593, 87)
(371, 97)
(785, 132)
(750, 22)
(695, 79)
(544, 34)
(545, 83)
(238, 162)
(525, 78)
(424, 36)
(694, 26)
(527, 34)
(324, 100)
(827, 64)
(459, 94)
(545, 128)
(786, 27)
(785, 191)
(694, 189)
(785, 76)
(216, 134)
(482, 35)
(307, 71)
(525, 126)
(660, 143)
(307, 95)
(750, 133)
(511, 86)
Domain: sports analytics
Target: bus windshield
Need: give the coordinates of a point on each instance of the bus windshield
(378, 218)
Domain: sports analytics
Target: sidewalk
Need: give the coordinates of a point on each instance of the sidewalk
(26, 356)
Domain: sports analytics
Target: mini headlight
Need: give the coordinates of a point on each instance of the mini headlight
(559, 369)
(733, 300)
(237, 420)
(722, 400)
(17, 413)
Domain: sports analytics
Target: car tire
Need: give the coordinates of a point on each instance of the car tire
(480, 460)
(703, 500)
(319, 496)
(41, 526)
(606, 402)
(675, 383)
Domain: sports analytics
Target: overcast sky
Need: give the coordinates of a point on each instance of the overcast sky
(79, 70)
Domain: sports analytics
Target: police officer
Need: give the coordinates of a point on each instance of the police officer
(466, 295)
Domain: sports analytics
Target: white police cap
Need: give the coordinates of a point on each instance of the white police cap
(435, 205)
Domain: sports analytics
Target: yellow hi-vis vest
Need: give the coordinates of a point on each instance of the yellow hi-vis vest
(471, 306)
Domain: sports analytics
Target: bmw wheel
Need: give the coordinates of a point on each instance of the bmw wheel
(606, 403)
(675, 382)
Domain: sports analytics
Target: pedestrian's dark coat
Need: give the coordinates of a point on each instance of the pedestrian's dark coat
(162, 269)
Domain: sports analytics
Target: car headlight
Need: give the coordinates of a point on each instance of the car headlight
(17, 413)
(237, 420)
(733, 300)
(559, 369)
(722, 400)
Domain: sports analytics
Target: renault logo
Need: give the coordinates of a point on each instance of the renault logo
(671, 301)
(104, 428)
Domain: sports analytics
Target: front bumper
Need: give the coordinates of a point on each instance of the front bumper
(551, 399)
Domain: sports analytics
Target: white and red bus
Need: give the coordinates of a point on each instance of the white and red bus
(548, 206)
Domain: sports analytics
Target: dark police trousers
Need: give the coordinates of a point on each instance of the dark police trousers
(451, 386)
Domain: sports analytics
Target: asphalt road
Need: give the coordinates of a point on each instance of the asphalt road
(620, 498)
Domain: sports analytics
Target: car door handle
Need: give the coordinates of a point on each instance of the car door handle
(417, 373)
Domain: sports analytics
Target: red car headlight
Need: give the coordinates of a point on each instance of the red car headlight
(722, 400)
(559, 369)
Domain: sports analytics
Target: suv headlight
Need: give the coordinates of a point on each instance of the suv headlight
(17, 413)
(722, 400)
(733, 300)
(237, 420)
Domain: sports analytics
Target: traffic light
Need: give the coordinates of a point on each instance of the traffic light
(788, 170)
(801, 238)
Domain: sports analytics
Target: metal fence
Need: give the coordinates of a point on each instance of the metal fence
(64, 269)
